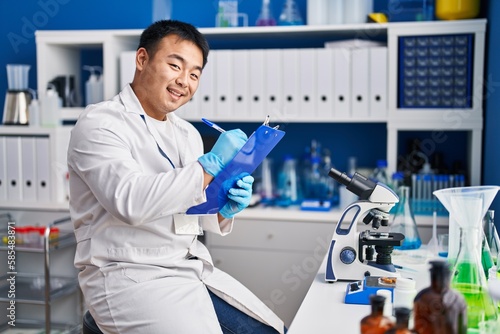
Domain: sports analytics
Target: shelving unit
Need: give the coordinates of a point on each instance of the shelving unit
(59, 54)
(44, 289)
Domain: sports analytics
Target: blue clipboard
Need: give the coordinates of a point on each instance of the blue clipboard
(251, 155)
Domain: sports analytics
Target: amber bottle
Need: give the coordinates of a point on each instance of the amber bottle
(402, 321)
(376, 322)
(438, 309)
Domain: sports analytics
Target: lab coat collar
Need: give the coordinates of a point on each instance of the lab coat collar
(133, 105)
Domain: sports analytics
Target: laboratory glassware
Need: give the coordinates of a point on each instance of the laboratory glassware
(266, 17)
(376, 322)
(18, 97)
(469, 204)
(404, 221)
(290, 14)
(491, 234)
(402, 322)
(438, 308)
(287, 182)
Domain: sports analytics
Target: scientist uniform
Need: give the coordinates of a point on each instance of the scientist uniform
(137, 272)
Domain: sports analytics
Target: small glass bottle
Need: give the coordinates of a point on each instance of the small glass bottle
(438, 309)
(402, 321)
(376, 322)
(404, 221)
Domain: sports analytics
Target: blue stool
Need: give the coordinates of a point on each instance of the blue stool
(89, 325)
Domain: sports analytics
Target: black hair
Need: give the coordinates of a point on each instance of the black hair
(153, 34)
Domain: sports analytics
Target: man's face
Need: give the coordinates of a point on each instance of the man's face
(169, 78)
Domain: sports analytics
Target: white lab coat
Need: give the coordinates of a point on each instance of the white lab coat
(136, 273)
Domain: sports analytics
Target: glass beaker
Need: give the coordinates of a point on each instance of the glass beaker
(404, 221)
(468, 205)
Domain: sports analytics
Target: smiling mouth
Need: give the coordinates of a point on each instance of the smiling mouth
(175, 93)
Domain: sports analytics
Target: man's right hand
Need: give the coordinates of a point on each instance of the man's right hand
(224, 150)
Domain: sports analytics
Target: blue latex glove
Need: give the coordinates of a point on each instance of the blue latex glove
(224, 150)
(235, 194)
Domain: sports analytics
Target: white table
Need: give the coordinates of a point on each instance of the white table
(323, 309)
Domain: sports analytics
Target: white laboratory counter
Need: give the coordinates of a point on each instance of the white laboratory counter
(323, 309)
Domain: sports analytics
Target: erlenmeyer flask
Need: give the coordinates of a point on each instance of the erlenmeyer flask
(290, 14)
(468, 205)
(404, 221)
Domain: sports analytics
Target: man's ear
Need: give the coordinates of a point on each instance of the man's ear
(141, 58)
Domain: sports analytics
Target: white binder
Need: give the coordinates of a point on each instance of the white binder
(28, 168)
(44, 184)
(359, 83)
(223, 85)
(378, 83)
(342, 83)
(325, 77)
(206, 88)
(3, 170)
(290, 83)
(273, 84)
(257, 85)
(191, 110)
(307, 84)
(240, 80)
(13, 168)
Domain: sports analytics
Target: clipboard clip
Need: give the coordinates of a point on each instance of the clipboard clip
(266, 123)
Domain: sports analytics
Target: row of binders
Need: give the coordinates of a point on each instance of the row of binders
(25, 168)
(308, 84)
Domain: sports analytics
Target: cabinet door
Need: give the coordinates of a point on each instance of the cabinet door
(275, 235)
(279, 278)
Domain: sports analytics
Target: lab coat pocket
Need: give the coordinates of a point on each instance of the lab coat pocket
(140, 274)
(119, 278)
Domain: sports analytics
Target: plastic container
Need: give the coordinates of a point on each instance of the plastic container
(50, 108)
(404, 292)
(380, 173)
(457, 9)
(34, 110)
(94, 89)
(438, 308)
(17, 76)
(317, 12)
(356, 11)
(227, 14)
(388, 305)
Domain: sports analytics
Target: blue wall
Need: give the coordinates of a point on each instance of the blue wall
(19, 20)
(491, 147)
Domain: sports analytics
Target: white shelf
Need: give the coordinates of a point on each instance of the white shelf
(294, 214)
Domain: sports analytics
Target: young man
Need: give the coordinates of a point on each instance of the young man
(135, 168)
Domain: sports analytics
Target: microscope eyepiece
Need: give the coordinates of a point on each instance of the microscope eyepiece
(358, 184)
(340, 177)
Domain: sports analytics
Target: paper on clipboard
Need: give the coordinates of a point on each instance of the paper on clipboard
(251, 155)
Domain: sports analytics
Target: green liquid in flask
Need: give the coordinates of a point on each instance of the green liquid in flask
(480, 306)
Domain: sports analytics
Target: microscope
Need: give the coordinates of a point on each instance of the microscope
(351, 254)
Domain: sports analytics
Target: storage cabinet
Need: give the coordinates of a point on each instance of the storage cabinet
(276, 260)
(26, 291)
